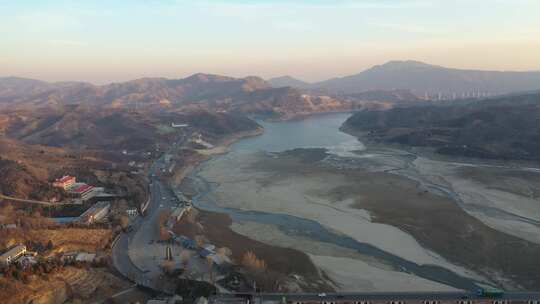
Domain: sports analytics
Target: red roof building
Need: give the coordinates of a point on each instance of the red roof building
(82, 189)
(65, 182)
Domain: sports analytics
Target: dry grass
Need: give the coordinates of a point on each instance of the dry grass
(88, 285)
(63, 239)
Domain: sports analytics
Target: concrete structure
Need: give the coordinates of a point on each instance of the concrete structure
(85, 257)
(172, 300)
(8, 226)
(27, 260)
(12, 254)
(95, 213)
(69, 256)
(156, 301)
(180, 125)
(65, 182)
(167, 158)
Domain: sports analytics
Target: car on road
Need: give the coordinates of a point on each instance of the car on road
(322, 294)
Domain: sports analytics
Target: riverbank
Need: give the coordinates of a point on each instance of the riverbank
(306, 215)
(288, 269)
(284, 184)
(292, 268)
(188, 160)
(348, 269)
(373, 202)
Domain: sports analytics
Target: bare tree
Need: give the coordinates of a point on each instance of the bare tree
(250, 261)
(211, 272)
(166, 266)
(123, 220)
(185, 256)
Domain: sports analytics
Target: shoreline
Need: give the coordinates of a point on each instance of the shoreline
(229, 141)
(205, 155)
(235, 201)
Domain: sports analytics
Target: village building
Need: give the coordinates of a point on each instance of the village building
(65, 182)
(83, 191)
(12, 254)
(95, 213)
(8, 226)
(85, 257)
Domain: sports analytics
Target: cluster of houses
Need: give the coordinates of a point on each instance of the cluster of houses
(85, 192)
(207, 251)
(82, 191)
(18, 254)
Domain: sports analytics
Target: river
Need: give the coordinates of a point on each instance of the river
(321, 131)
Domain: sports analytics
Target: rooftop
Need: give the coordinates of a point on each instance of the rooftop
(64, 179)
(82, 188)
(13, 251)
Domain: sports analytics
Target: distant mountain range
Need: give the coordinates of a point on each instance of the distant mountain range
(250, 95)
(384, 86)
(421, 79)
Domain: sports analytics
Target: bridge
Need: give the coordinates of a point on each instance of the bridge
(457, 297)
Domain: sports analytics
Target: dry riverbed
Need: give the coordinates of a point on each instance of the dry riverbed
(365, 201)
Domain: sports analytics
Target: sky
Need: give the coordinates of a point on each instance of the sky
(105, 41)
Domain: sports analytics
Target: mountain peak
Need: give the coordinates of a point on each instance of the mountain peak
(287, 81)
(202, 77)
(403, 64)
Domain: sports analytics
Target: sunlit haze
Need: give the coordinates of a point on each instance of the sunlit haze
(104, 41)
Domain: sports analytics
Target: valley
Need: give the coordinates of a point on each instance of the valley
(296, 192)
(421, 215)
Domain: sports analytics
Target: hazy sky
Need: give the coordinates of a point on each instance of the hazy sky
(114, 40)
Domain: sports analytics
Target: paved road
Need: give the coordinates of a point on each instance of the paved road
(45, 203)
(133, 254)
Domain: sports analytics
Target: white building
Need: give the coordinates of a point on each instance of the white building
(12, 254)
(85, 257)
(95, 213)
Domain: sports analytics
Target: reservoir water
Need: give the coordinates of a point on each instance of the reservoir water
(320, 131)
